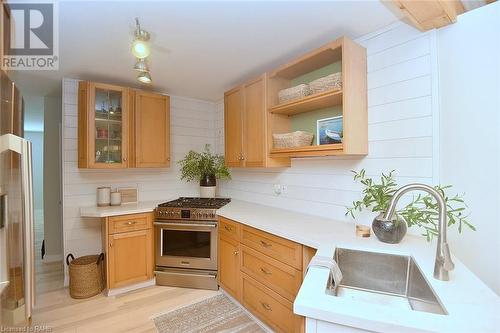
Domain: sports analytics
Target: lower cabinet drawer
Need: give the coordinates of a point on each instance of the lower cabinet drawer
(282, 278)
(274, 310)
(125, 223)
(281, 249)
(229, 228)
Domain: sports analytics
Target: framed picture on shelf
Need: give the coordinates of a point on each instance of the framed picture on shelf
(329, 130)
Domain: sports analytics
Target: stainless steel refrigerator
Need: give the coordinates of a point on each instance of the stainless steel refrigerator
(17, 289)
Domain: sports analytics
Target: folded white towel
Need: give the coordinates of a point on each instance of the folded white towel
(331, 264)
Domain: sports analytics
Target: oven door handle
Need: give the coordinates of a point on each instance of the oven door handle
(166, 224)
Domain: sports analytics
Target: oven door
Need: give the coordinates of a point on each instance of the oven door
(186, 244)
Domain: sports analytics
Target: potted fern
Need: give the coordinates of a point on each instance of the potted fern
(206, 168)
(422, 211)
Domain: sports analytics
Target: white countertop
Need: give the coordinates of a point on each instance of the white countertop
(471, 305)
(123, 209)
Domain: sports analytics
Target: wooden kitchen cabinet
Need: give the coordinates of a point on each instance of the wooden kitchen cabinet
(245, 127)
(263, 272)
(128, 244)
(347, 103)
(233, 126)
(229, 265)
(150, 128)
(119, 127)
(103, 126)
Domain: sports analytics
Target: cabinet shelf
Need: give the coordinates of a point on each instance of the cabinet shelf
(314, 150)
(317, 101)
(108, 139)
(108, 120)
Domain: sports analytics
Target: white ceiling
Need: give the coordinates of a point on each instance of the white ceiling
(201, 48)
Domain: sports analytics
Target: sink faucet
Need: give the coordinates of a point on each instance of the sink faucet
(443, 263)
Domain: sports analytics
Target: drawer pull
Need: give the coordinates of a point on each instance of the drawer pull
(228, 228)
(265, 271)
(236, 253)
(265, 244)
(131, 222)
(266, 306)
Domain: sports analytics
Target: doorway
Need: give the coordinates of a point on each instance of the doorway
(41, 126)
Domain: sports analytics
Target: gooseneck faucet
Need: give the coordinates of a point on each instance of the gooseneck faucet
(443, 263)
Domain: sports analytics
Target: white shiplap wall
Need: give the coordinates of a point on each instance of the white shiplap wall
(403, 132)
(193, 126)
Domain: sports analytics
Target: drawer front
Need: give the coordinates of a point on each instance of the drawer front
(270, 307)
(276, 247)
(229, 228)
(132, 222)
(283, 279)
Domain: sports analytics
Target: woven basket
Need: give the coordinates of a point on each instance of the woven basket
(329, 82)
(294, 139)
(300, 91)
(86, 275)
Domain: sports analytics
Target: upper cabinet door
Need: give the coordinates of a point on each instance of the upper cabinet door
(151, 123)
(103, 126)
(233, 112)
(254, 153)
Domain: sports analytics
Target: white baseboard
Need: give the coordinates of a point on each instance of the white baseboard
(118, 291)
(52, 258)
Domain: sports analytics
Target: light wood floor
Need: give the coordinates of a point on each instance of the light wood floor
(130, 312)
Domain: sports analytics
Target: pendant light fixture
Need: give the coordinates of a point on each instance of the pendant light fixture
(141, 50)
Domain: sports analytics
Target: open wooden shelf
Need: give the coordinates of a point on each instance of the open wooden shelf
(313, 60)
(317, 101)
(314, 150)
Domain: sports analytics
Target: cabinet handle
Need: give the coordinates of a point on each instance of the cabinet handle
(110, 243)
(265, 271)
(131, 222)
(236, 253)
(228, 228)
(265, 244)
(266, 306)
(124, 159)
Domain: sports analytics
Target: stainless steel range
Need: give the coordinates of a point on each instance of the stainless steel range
(186, 242)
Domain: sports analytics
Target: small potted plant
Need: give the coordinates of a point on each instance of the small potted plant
(422, 211)
(206, 168)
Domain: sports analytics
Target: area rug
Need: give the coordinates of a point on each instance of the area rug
(215, 314)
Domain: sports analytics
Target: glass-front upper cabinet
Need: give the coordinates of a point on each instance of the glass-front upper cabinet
(103, 126)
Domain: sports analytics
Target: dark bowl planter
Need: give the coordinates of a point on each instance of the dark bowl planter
(391, 232)
(208, 180)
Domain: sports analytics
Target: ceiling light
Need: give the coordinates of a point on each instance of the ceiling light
(144, 77)
(140, 45)
(141, 65)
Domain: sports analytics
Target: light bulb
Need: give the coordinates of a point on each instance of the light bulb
(144, 77)
(140, 49)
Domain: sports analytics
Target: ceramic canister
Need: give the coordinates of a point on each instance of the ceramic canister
(116, 198)
(103, 196)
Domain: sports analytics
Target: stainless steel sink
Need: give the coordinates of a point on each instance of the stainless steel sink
(386, 279)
